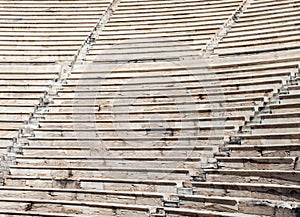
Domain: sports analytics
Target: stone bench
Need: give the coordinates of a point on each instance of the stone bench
(129, 3)
(15, 116)
(143, 5)
(101, 172)
(190, 81)
(204, 95)
(279, 117)
(26, 213)
(56, 41)
(110, 161)
(290, 98)
(253, 44)
(193, 212)
(244, 205)
(268, 8)
(283, 107)
(263, 163)
(166, 34)
(135, 129)
(195, 23)
(158, 140)
(179, 74)
(65, 106)
(256, 64)
(279, 127)
(262, 32)
(209, 121)
(9, 132)
(247, 18)
(146, 57)
(236, 41)
(179, 151)
(290, 177)
(266, 3)
(163, 110)
(139, 17)
(106, 196)
(271, 138)
(47, 207)
(115, 184)
(252, 190)
(294, 88)
(260, 49)
(272, 150)
(93, 141)
(34, 59)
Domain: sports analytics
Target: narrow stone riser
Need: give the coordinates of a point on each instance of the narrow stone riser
(146, 153)
(93, 71)
(15, 117)
(25, 88)
(133, 54)
(175, 122)
(249, 193)
(111, 37)
(99, 174)
(149, 133)
(108, 58)
(171, 153)
(140, 44)
(21, 95)
(263, 48)
(190, 79)
(226, 206)
(180, 163)
(9, 133)
(270, 141)
(36, 58)
(58, 208)
(276, 130)
(149, 104)
(118, 40)
(267, 210)
(266, 153)
(292, 100)
(102, 144)
(42, 52)
(86, 185)
(258, 166)
(141, 92)
(12, 109)
(3, 151)
(150, 114)
(18, 101)
(275, 179)
(88, 197)
(286, 119)
(106, 99)
(284, 110)
(241, 208)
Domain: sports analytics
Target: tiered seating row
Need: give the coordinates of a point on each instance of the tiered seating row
(39, 29)
(265, 26)
(160, 30)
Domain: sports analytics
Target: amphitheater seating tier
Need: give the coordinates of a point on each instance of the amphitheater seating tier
(149, 108)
